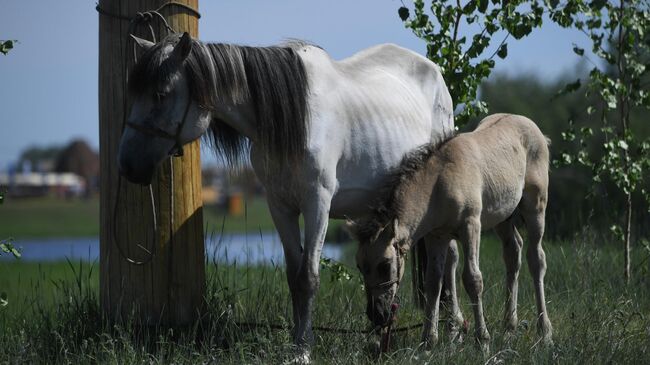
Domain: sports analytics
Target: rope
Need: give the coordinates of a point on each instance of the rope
(343, 331)
(142, 19)
(140, 15)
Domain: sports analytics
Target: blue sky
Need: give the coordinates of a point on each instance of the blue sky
(48, 88)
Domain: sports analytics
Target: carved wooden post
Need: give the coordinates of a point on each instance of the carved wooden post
(169, 289)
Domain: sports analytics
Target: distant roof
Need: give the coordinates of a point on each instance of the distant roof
(38, 179)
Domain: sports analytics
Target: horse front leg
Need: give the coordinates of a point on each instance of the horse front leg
(316, 215)
(470, 236)
(450, 294)
(287, 224)
(436, 257)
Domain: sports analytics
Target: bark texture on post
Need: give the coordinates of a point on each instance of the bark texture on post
(169, 290)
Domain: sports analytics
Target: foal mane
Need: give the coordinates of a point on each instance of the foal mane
(388, 205)
(273, 79)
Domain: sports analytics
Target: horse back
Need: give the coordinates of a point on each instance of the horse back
(495, 163)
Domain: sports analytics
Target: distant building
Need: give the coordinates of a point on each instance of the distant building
(35, 184)
(80, 159)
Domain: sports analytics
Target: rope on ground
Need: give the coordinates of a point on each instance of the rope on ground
(349, 331)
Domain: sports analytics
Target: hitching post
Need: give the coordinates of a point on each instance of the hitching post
(168, 290)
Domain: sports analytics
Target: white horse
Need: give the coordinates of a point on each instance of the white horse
(322, 134)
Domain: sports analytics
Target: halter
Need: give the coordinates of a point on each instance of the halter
(398, 254)
(156, 131)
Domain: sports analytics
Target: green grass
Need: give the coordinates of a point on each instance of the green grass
(33, 218)
(49, 217)
(52, 316)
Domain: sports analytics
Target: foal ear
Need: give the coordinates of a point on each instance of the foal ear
(142, 43)
(183, 47)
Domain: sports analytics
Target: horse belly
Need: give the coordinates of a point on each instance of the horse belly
(500, 203)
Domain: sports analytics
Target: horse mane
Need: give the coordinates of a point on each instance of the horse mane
(273, 79)
(388, 205)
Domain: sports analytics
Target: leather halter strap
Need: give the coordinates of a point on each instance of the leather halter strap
(156, 131)
(385, 284)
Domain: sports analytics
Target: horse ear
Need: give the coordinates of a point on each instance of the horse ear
(183, 47)
(142, 43)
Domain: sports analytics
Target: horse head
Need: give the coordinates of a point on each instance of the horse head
(163, 116)
(380, 258)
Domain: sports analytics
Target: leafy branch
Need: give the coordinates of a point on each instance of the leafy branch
(463, 61)
(6, 46)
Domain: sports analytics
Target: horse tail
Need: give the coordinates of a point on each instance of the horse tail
(418, 270)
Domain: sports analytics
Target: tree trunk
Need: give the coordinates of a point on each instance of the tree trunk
(170, 288)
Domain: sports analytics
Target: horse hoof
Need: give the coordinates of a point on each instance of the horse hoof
(302, 357)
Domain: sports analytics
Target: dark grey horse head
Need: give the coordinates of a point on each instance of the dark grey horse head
(163, 116)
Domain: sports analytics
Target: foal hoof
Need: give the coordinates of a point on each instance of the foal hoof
(373, 349)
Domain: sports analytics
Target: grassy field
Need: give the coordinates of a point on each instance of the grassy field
(49, 217)
(52, 316)
(32, 218)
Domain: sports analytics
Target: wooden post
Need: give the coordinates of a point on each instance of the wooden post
(169, 290)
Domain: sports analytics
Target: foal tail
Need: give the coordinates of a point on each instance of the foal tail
(418, 269)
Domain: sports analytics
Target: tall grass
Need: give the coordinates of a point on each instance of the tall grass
(53, 316)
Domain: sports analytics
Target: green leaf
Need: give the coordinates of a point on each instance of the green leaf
(6, 46)
(579, 51)
(622, 145)
(569, 88)
(8, 247)
(403, 13)
(482, 6)
(503, 51)
(3, 299)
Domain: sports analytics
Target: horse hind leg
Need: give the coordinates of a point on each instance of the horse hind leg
(533, 211)
(512, 244)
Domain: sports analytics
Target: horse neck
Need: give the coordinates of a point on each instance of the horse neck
(240, 117)
(416, 197)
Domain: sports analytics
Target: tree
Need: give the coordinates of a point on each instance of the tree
(617, 31)
(464, 63)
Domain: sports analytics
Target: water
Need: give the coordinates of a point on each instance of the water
(230, 248)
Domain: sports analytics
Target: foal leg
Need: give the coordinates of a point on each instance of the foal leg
(470, 236)
(534, 206)
(449, 296)
(436, 255)
(512, 244)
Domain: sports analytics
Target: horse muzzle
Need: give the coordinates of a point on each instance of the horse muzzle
(141, 174)
(378, 310)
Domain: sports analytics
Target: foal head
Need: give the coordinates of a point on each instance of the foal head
(163, 116)
(380, 258)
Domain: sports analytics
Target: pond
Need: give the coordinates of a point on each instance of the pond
(250, 249)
